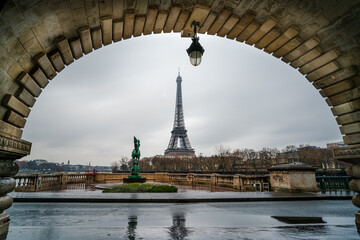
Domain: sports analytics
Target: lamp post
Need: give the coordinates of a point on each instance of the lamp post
(195, 51)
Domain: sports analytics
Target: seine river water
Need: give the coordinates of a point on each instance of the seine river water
(320, 219)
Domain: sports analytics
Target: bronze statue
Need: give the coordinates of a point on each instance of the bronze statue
(135, 155)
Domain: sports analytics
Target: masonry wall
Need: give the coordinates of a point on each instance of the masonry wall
(303, 181)
(279, 180)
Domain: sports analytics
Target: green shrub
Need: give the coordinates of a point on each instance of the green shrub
(140, 188)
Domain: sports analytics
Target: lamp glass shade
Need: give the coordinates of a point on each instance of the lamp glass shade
(195, 51)
(195, 58)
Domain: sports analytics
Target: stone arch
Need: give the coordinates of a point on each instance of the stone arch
(38, 38)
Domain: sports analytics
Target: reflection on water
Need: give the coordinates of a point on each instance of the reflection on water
(305, 231)
(178, 230)
(132, 223)
(201, 187)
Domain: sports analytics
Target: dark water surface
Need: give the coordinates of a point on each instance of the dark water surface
(246, 220)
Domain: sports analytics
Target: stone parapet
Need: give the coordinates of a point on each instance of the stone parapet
(238, 181)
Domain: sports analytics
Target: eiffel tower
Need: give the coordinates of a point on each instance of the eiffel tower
(179, 145)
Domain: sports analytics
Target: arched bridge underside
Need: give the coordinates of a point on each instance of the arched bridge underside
(38, 39)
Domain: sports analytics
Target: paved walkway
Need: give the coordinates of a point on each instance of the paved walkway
(320, 220)
(180, 197)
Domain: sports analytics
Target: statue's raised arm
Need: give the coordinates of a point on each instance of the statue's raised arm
(136, 152)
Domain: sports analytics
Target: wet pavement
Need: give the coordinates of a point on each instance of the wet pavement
(186, 194)
(241, 220)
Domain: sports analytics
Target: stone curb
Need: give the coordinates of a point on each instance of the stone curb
(174, 200)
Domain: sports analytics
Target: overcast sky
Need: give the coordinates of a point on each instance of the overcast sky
(239, 97)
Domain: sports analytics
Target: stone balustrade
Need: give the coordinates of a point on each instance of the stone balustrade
(241, 182)
(32, 183)
(25, 183)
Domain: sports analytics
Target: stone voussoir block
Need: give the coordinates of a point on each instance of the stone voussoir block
(39, 77)
(56, 60)
(171, 20)
(263, 29)
(319, 61)
(219, 22)
(348, 118)
(129, 22)
(25, 80)
(85, 38)
(76, 48)
(150, 20)
(15, 119)
(62, 44)
(344, 97)
(350, 128)
(16, 105)
(26, 97)
(307, 57)
(335, 77)
(205, 27)
(322, 71)
(44, 63)
(346, 108)
(337, 88)
(10, 130)
(139, 25)
(290, 33)
(301, 50)
(160, 21)
(118, 27)
(96, 37)
(352, 138)
(106, 28)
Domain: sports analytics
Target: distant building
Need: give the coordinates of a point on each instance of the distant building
(39, 161)
(335, 145)
(308, 147)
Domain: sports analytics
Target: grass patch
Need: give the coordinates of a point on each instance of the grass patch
(141, 188)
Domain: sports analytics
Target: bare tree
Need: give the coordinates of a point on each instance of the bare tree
(114, 166)
(124, 163)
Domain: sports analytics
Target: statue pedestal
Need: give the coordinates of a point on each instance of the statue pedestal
(134, 180)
